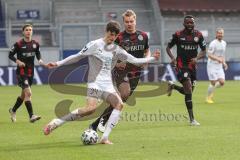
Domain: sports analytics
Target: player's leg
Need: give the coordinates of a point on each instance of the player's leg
(174, 86)
(217, 80)
(210, 91)
(178, 88)
(187, 85)
(212, 76)
(18, 102)
(90, 107)
(221, 79)
(28, 99)
(100, 122)
(28, 103)
(124, 89)
(117, 104)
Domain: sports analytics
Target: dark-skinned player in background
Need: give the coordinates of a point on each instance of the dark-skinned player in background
(187, 42)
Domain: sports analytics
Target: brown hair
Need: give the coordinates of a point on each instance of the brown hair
(113, 26)
(26, 25)
(129, 13)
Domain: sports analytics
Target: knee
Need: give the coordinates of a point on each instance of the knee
(188, 90)
(22, 96)
(90, 110)
(27, 94)
(221, 83)
(119, 106)
(125, 97)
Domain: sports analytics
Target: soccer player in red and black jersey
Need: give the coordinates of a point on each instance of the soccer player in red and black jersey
(26, 49)
(187, 41)
(127, 75)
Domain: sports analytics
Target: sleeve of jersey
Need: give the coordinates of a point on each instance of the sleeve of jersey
(89, 49)
(147, 43)
(172, 41)
(12, 52)
(211, 48)
(124, 56)
(202, 43)
(38, 54)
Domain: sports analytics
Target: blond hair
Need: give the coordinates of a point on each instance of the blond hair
(129, 13)
(219, 29)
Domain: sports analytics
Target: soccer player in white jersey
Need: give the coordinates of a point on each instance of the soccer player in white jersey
(102, 55)
(216, 64)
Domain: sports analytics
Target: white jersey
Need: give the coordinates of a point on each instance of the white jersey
(218, 49)
(102, 58)
(214, 68)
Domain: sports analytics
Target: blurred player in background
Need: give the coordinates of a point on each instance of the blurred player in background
(103, 55)
(126, 75)
(216, 63)
(26, 49)
(187, 41)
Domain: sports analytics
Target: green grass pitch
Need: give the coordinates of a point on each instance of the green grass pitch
(155, 128)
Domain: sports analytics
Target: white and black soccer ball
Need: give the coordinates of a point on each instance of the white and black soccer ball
(89, 136)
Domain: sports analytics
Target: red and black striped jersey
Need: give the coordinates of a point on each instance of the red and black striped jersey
(134, 43)
(25, 52)
(187, 46)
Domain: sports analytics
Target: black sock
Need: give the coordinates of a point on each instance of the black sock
(179, 89)
(188, 102)
(18, 103)
(94, 125)
(105, 115)
(28, 105)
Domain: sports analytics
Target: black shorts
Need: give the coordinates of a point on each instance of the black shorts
(24, 81)
(121, 76)
(184, 74)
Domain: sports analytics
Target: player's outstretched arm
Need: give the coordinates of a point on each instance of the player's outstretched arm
(51, 65)
(41, 63)
(124, 56)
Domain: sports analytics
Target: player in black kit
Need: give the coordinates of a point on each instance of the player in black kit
(187, 41)
(26, 49)
(127, 75)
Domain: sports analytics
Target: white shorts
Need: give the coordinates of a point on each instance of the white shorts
(215, 72)
(101, 91)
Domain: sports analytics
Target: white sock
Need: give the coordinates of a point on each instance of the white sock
(112, 122)
(211, 88)
(69, 117)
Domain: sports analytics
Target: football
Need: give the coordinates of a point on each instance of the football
(89, 136)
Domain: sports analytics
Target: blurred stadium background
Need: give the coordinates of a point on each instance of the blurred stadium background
(64, 26)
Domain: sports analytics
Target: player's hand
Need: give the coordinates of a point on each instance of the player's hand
(193, 61)
(225, 66)
(173, 62)
(52, 65)
(157, 54)
(20, 63)
(42, 63)
(220, 60)
(121, 66)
